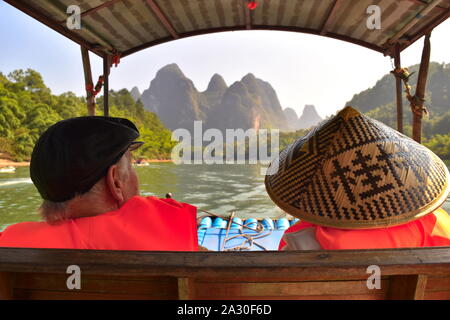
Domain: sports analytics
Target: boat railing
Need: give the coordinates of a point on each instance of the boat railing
(417, 273)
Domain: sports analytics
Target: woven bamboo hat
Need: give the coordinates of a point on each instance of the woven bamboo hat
(353, 172)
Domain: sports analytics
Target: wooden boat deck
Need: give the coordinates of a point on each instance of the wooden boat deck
(422, 273)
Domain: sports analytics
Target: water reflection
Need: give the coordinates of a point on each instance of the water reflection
(217, 188)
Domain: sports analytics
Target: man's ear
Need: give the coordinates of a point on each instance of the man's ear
(114, 184)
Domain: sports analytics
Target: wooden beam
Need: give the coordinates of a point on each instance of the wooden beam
(106, 70)
(413, 22)
(419, 97)
(424, 64)
(90, 99)
(425, 2)
(426, 29)
(320, 264)
(162, 18)
(254, 27)
(331, 17)
(86, 29)
(407, 287)
(6, 292)
(247, 15)
(95, 9)
(399, 91)
(185, 289)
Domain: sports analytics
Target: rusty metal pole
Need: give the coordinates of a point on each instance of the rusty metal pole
(90, 98)
(106, 69)
(398, 86)
(419, 98)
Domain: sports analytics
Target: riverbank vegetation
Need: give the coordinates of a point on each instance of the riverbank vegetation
(27, 108)
(379, 102)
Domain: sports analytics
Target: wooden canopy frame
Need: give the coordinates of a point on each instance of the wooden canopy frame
(428, 14)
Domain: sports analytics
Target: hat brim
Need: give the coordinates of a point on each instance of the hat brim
(135, 145)
(353, 172)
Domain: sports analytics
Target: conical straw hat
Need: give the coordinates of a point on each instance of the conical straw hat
(353, 172)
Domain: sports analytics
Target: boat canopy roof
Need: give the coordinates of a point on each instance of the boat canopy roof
(122, 27)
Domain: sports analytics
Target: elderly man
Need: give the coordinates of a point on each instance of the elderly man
(82, 169)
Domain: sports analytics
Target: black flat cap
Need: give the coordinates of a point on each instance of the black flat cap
(74, 154)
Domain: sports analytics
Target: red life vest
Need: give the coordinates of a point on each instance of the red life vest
(142, 223)
(429, 231)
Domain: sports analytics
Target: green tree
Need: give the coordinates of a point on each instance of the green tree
(440, 144)
(27, 109)
(11, 116)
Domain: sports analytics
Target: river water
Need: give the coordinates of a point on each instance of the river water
(218, 188)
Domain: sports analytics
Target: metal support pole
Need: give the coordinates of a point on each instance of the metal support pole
(90, 99)
(398, 86)
(106, 69)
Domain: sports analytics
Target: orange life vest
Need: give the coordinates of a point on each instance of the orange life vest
(142, 223)
(428, 231)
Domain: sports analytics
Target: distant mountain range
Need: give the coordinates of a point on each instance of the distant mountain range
(308, 119)
(248, 103)
(253, 103)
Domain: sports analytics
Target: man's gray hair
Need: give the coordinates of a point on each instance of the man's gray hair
(56, 212)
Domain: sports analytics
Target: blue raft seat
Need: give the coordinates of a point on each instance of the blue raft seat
(282, 224)
(212, 233)
(251, 223)
(268, 224)
(219, 223)
(237, 223)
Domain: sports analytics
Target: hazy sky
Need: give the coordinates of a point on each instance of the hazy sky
(303, 69)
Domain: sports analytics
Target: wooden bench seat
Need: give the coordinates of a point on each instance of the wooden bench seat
(422, 273)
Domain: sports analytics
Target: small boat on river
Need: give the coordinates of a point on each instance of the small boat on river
(9, 169)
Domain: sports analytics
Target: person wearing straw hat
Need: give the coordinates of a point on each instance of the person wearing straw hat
(82, 170)
(355, 183)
